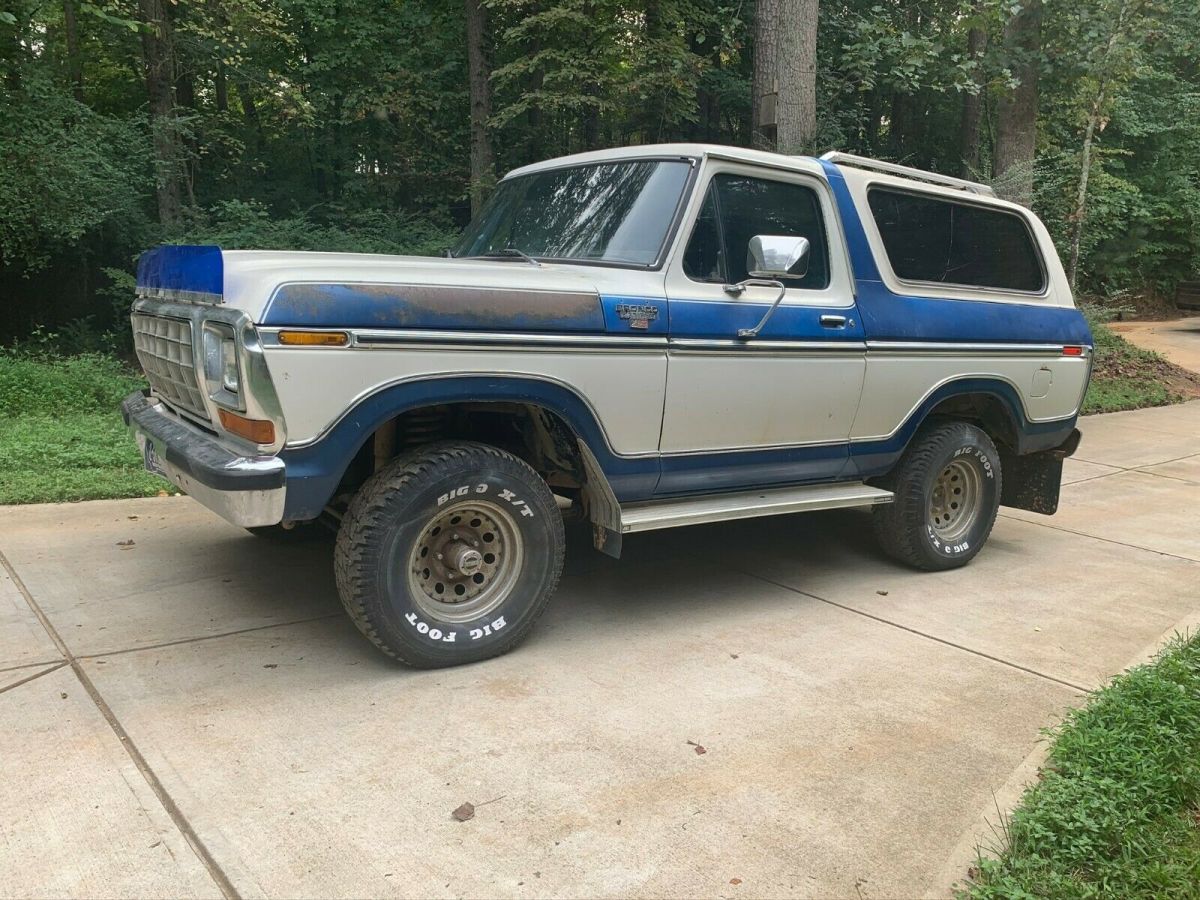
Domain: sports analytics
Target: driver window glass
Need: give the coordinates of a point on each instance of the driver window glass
(746, 207)
(702, 261)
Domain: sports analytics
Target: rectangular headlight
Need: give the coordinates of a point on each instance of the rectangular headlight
(221, 367)
(229, 365)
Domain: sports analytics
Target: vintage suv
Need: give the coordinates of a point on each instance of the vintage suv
(659, 335)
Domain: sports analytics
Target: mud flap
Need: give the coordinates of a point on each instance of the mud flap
(602, 507)
(1033, 481)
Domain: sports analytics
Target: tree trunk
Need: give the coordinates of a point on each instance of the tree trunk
(221, 88)
(1085, 167)
(74, 60)
(784, 98)
(481, 104)
(185, 90)
(1127, 13)
(897, 124)
(249, 107)
(874, 111)
(1016, 129)
(972, 107)
(158, 56)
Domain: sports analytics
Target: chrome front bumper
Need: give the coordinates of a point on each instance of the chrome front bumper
(245, 490)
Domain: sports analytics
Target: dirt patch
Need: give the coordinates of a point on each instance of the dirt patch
(1148, 367)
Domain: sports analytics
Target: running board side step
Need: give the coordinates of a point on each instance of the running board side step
(747, 505)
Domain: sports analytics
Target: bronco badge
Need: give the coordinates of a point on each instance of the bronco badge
(638, 315)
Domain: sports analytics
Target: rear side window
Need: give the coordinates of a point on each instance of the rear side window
(931, 239)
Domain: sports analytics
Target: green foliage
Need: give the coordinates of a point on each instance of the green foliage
(89, 456)
(33, 380)
(61, 434)
(68, 171)
(1117, 810)
(242, 225)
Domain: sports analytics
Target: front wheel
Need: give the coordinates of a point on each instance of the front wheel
(449, 554)
(947, 494)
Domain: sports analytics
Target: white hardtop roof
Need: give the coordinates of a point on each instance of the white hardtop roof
(860, 179)
(854, 174)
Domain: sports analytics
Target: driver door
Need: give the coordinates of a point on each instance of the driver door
(776, 408)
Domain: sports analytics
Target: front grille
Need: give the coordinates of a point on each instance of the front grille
(164, 348)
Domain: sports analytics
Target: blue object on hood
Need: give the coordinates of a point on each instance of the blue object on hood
(182, 269)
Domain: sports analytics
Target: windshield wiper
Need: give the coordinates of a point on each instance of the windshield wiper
(511, 253)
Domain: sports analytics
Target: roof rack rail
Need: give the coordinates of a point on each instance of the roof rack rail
(875, 165)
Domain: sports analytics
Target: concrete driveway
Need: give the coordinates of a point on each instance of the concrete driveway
(185, 711)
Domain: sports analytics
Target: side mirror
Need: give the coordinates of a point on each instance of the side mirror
(773, 256)
(768, 259)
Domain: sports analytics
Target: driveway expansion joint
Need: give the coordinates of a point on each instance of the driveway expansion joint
(123, 737)
(53, 667)
(923, 634)
(104, 654)
(1096, 537)
(31, 665)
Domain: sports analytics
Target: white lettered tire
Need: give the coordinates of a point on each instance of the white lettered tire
(947, 491)
(449, 554)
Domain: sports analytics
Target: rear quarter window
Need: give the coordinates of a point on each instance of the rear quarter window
(937, 240)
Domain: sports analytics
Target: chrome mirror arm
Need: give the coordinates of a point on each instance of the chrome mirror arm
(745, 334)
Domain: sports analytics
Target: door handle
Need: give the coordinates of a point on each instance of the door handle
(833, 321)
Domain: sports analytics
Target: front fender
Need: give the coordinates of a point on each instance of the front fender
(315, 469)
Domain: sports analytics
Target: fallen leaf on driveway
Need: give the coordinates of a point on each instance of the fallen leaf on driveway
(700, 751)
(270, 665)
(464, 812)
(882, 593)
(735, 881)
(128, 543)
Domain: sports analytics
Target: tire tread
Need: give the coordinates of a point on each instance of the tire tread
(354, 555)
(895, 525)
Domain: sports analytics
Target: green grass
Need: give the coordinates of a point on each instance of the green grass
(1112, 394)
(61, 435)
(1117, 810)
(1127, 377)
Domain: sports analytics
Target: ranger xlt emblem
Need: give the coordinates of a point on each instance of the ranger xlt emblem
(638, 315)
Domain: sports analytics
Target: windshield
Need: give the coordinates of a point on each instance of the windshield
(608, 212)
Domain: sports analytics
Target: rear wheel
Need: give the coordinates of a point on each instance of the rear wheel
(449, 554)
(947, 494)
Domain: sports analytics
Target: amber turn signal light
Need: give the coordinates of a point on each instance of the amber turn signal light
(314, 338)
(257, 431)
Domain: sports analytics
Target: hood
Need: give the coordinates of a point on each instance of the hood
(359, 290)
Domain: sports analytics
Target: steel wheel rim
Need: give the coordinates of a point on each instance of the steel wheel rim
(955, 500)
(465, 561)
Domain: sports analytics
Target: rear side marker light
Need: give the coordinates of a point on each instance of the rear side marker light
(314, 338)
(1072, 351)
(257, 431)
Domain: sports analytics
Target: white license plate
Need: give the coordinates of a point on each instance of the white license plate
(150, 457)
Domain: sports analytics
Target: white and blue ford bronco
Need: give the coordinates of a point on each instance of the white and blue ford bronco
(648, 337)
